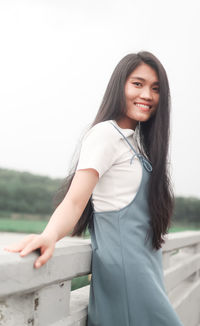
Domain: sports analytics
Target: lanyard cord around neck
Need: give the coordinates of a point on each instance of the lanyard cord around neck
(146, 163)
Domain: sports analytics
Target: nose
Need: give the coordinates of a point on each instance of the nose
(146, 93)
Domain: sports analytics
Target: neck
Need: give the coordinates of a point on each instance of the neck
(127, 123)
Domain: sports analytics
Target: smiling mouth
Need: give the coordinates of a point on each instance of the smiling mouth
(143, 106)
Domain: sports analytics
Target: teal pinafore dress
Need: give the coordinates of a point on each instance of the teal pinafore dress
(127, 283)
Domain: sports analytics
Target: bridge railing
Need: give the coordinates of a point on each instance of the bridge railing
(181, 263)
(43, 297)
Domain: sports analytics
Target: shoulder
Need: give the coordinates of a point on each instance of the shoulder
(102, 131)
(99, 148)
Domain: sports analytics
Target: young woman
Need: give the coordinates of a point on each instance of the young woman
(120, 189)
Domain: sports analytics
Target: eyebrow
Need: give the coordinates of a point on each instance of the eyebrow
(142, 79)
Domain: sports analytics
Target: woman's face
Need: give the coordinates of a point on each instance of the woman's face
(142, 96)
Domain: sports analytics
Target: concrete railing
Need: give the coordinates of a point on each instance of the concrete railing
(181, 263)
(43, 297)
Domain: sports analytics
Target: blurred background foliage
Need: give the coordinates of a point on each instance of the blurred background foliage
(26, 200)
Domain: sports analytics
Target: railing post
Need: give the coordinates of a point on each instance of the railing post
(195, 276)
(41, 308)
(17, 310)
(51, 303)
(166, 259)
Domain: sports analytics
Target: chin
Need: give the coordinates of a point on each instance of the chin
(143, 119)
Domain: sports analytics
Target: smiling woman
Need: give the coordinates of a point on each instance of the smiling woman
(120, 190)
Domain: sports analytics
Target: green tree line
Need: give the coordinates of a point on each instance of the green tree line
(24, 192)
(187, 209)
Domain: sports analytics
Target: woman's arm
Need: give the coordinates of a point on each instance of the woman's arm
(63, 220)
(71, 208)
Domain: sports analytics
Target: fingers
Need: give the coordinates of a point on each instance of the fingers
(15, 247)
(31, 246)
(43, 258)
(32, 242)
(18, 246)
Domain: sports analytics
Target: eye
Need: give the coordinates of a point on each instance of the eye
(137, 83)
(156, 89)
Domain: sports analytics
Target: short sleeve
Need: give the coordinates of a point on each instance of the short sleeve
(99, 148)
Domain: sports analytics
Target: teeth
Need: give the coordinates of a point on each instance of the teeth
(143, 106)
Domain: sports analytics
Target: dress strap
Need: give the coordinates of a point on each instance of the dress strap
(146, 163)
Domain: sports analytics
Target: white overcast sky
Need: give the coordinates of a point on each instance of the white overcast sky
(56, 58)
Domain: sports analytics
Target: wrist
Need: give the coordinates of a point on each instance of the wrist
(50, 234)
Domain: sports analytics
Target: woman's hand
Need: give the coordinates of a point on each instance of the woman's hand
(45, 243)
(63, 220)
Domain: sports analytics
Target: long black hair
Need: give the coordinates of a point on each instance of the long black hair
(153, 142)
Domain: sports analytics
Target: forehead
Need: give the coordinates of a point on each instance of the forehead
(146, 72)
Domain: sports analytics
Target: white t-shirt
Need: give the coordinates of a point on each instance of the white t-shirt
(105, 150)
